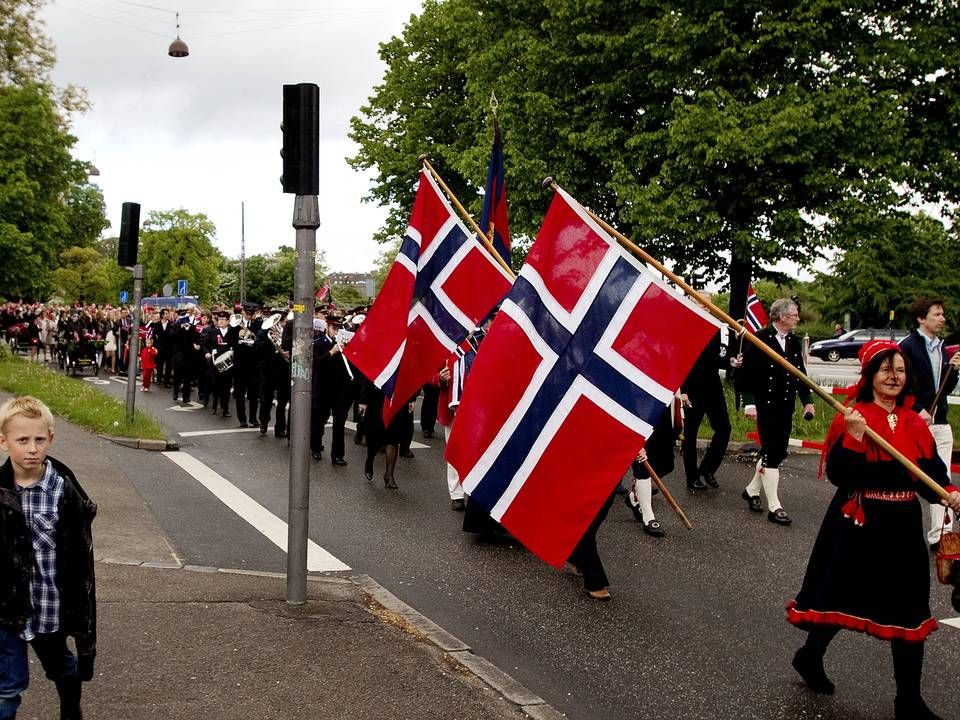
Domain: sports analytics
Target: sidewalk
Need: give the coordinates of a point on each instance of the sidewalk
(178, 643)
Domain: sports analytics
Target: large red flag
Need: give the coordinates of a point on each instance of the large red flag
(442, 284)
(588, 349)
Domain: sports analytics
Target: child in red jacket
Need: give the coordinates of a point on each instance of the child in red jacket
(148, 363)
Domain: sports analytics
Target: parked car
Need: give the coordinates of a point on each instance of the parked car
(849, 344)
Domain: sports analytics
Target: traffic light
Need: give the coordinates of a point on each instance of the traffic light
(129, 235)
(301, 139)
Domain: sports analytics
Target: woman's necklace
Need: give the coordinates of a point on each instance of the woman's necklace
(891, 415)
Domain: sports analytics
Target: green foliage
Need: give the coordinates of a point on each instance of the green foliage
(897, 258)
(268, 279)
(36, 173)
(178, 245)
(348, 296)
(721, 136)
(77, 401)
(84, 273)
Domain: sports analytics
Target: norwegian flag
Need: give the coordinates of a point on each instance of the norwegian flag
(442, 284)
(756, 316)
(588, 348)
(493, 217)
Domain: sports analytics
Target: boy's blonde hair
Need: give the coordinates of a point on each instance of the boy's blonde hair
(29, 407)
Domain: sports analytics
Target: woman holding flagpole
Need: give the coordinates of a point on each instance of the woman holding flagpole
(869, 569)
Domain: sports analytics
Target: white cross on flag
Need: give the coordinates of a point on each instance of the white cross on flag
(443, 283)
(587, 351)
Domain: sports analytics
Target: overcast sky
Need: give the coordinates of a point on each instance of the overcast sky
(203, 132)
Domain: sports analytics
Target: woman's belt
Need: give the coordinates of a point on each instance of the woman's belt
(889, 495)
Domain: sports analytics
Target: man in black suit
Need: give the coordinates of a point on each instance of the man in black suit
(930, 369)
(770, 393)
(162, 332)
(702, 396)
(332, 391)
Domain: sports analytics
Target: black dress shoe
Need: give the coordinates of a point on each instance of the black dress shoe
(711, 480)
(263, 429)
(753, 501)
(654, 528)
(811, 670)
(368, 470)
(428, 434)
(779, 517)
(458, 504)
(406, 454)
(696, 485)
(339, 462)
(635, 509)
(281, 434)
(316, 456)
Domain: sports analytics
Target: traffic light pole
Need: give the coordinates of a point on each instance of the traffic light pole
(306, 220)
(134, 343)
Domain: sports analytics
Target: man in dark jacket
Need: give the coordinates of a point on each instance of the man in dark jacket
(48, 591)
(332, 391)
(931, 370)
(770, 394)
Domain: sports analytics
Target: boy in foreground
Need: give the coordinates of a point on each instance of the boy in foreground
(47, 586)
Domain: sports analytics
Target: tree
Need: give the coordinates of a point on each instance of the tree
(178, 245)
(268, 278)
(900, 257)
(84, 273)
(45, 203)
(723, 136)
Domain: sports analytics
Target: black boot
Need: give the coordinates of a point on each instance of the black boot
(810, 666)
(908, 670)
(69, 690)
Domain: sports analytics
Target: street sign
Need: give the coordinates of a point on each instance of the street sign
(181, 287)
(168, 289)
(124, 296)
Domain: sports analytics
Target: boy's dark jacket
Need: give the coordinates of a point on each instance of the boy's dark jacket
(75, 576)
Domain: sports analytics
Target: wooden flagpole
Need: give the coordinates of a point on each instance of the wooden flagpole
(635, 250)
(463, 213)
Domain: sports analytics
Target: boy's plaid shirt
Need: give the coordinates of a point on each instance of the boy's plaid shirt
(39, 503)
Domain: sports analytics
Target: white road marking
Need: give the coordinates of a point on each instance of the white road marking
(194, 405)
(952, 622)
(272, 527)
(200, 433)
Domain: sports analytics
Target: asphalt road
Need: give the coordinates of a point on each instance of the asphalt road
(696, 627)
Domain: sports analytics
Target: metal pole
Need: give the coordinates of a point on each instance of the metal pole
(306, 220)
(134, 341)
(243, 257)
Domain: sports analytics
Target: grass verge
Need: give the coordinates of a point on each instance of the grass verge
(79, 402)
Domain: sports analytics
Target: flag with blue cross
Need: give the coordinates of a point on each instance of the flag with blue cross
(441, 286)
(585, 355)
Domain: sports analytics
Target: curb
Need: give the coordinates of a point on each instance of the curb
(526, 701)
(142, 443)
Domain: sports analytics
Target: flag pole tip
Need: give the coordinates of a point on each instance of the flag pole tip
(547, 181)
(421, 158)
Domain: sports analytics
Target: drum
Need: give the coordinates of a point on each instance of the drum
(223, 361)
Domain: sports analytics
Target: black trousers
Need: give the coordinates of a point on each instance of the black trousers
(321, 410)
(246, 389)
(182, 377)
(274, 384)
(774, 423)
(164, 367)
(711, 404)
(428, 408)
(585, 555)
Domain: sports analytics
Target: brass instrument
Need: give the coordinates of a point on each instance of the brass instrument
(274, 329)
(246, 335)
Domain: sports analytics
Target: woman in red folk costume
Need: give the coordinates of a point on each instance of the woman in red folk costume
(869, 570)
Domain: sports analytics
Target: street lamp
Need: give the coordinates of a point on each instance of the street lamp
(178, 48)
